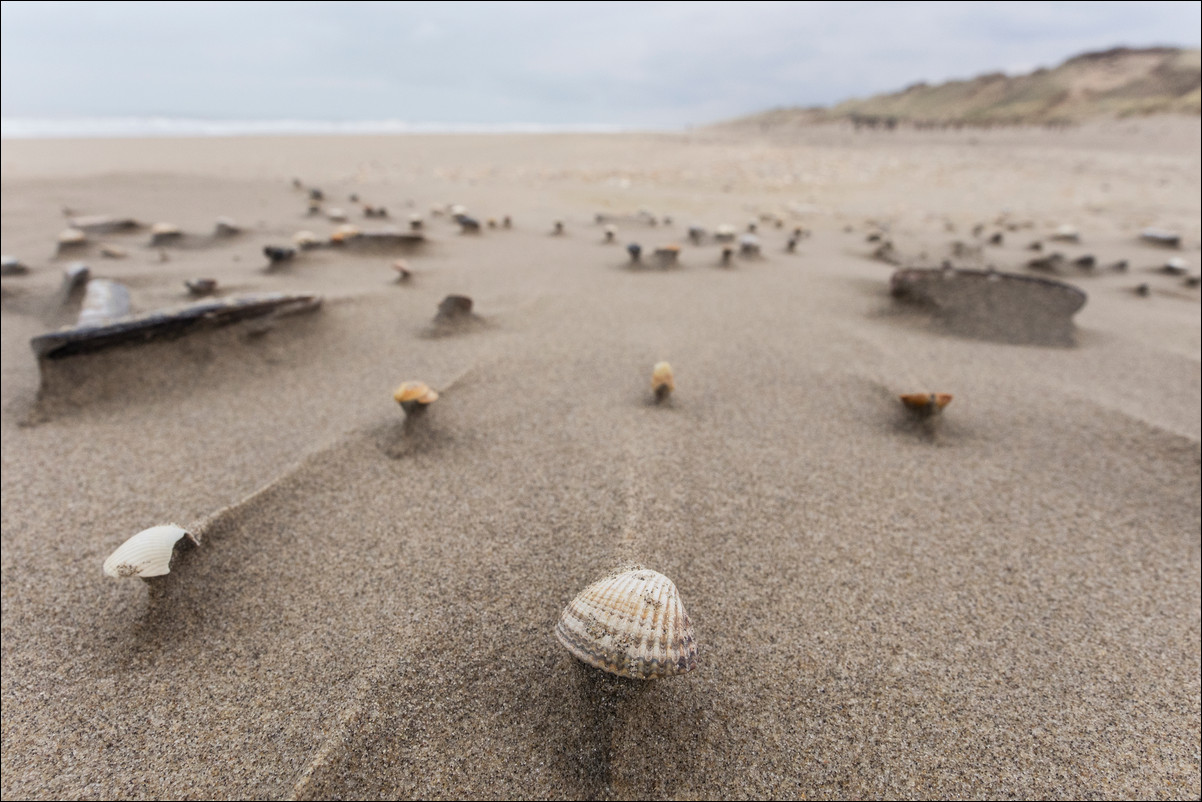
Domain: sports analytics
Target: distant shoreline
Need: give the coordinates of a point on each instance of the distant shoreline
(144, 127)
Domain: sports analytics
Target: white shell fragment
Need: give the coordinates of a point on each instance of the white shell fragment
(104, 301)
(632, 624)
(147, 553)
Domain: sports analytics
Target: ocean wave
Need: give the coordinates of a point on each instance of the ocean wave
(137, 127)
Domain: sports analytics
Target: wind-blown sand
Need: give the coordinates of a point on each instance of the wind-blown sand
(1005, 605)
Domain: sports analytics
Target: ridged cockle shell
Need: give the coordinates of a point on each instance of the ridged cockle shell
(632, 624)
(147, 553)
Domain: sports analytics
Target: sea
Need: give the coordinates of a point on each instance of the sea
(138, 127)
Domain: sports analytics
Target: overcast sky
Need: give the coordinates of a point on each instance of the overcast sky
(630, 64)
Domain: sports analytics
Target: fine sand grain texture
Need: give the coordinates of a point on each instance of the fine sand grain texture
(1002, 600)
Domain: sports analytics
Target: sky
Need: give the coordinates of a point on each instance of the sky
(650, 65)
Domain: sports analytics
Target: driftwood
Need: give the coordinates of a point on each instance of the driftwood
(168, 324)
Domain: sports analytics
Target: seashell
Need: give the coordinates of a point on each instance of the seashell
(12, 266)
(491, 222)
(226, 227)
(1086, 262)
(336, 215)
(103, 224)
(635, 250)
(662, 380)
(467, 225)
(415, 222)
(749, 245)
(696, 234)
(667, 255)
(1161, 237)
(162, 233)
(70, 238)
(610, 232)
(112, 252)
(306, 240)
(458, 210)
(1066, 233)
(414, 397)
(316, 194)
(1143, 290)
(724, 232)
(751, 227)
(149, 552)
(632, 624)
(275, 254)
(201, 287)
(925, 405)
(345, 232)
(104, 301)
(791, 245)
(1175, 267)
(727, 252)
(75, 276)
(403, 273)
(314, 207)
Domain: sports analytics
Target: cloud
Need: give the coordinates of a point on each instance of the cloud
(660, 63)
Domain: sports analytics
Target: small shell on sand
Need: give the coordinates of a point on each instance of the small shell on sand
(924, 405)
(104, 224)
(275, 254)
(632, 624)
(724, 232)
(1175, 266)
(226, 227)
(149, 552)
(345, 232)
(307, 239)
(415, 222)
(162, 233)
(414, 396)
(403, 273)
(662, 380)
(1066, 233)
(610, 232)
(70, 238)
(749, 245)
(200, 287)
(336, 215)
(112, 252)
(12, 266)
(1161, 237)
(667, 255)
(635, 250)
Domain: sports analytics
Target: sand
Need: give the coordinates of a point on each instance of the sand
(1004, 604)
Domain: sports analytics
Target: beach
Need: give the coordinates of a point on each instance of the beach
(1001, 602)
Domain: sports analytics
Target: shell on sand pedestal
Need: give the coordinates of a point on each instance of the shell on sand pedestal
(632, 624)
(148, 553)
